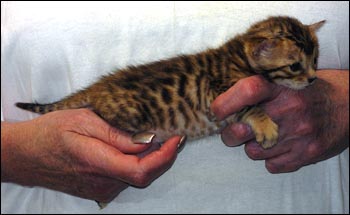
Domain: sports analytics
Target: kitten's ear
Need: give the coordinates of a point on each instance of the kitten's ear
(316, 26)
(264, 48)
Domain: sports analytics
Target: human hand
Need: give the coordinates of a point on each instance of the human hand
(313, 123)
(76, 152)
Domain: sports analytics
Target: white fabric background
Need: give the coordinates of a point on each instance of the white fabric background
(49, 50)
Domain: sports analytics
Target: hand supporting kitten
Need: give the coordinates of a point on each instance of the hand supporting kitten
(76, 152)
(314, 122)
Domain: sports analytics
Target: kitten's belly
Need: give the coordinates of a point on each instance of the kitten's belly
(195, 129)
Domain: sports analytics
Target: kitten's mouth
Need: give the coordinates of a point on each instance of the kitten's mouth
(293, 85)
(312, 80)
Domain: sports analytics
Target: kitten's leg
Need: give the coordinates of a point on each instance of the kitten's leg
(265, 130)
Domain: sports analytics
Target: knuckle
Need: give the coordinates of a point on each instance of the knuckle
(76, 119)
(84, 113)
(314, 150)
(254, 89)
(250, 89)
(304, 128)
(83, 116)
(296, 104)
(80, 115)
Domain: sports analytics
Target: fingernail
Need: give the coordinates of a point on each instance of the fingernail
(101, 204)
(181, 144)
(143, 138)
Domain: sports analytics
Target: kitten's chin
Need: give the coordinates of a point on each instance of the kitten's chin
(291, 85)
(297, 87)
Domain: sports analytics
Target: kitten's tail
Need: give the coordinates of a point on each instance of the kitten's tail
(71, 102)
(34, 107)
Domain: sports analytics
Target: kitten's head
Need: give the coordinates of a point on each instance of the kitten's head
(283, 50)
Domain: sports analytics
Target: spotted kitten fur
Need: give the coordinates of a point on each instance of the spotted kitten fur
(173, 96)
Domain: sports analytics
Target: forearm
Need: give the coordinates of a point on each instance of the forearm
(7, 138)
(14, 149)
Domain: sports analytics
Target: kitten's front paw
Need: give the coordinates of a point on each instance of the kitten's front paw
(266, 134)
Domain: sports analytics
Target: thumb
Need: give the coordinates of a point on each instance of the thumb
(94, 126)
(123, 141)
(245, 92)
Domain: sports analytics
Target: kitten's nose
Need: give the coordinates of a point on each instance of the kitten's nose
(311, 80)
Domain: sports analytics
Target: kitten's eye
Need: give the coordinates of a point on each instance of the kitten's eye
(295, 67)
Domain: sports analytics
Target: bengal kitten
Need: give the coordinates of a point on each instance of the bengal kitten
(173, 96)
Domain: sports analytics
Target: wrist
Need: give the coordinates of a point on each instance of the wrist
(338, 94)
(14, 137)
(7, 131)
(334, 88)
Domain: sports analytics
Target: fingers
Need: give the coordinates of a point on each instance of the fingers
(124, 142)
(247, 91)
(236, 134)
(283, 163)
(282, 158)
(156, 163)
(279, 158)
(256, 152)
(142, 171)
(89, 124)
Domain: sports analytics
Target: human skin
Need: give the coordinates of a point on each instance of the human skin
(76, 152)
(313, 122)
